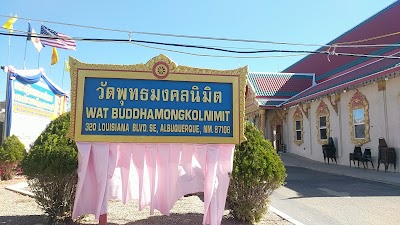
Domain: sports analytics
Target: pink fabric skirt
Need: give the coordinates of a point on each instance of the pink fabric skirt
(155, 174)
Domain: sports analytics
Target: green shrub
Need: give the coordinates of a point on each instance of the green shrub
(257, 172)
(12, 151)
(50, 167)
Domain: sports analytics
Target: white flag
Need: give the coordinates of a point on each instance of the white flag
(36, 41)
(33, 37)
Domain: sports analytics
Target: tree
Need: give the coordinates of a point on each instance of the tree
(257, 172)
(51, 169)
(12, 151)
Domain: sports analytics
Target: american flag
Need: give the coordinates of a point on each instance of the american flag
(62, 41)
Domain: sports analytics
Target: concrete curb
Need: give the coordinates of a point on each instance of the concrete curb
(20, 188)
(284, 216)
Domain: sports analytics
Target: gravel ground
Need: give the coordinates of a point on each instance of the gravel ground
(16, 209)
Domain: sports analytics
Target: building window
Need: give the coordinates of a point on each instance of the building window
(359, 119)
(298, 130)
(322, 127)
(298, 127)
(359, 125)
(323, 123)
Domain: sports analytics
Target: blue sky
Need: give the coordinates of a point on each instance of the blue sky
(305, 21)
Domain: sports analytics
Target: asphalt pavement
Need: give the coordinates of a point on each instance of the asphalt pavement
(297, 195)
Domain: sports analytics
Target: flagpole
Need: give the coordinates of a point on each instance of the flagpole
(26, 44)
(9, 47)
(9, 26)
(7, 114)
(38, 61)
(62, 82)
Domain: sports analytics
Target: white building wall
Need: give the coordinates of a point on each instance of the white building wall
(314, 151)
(373, 96)
(291, 146)
(304, 148)
(384, 117)
(335, 127)
(286, 137)
(376, 117)
(344, 134)
(307, 148)
(393, 116)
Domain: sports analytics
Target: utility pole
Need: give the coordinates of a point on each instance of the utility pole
(5, 124)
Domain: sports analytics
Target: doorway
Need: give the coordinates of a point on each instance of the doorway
(277, 133)
(277, 137)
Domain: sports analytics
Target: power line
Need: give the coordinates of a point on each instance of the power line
(170, 50)
(337, 45)
(221, 56)
(43, 36)
(206, 47)
(160, 43)
(166, 34)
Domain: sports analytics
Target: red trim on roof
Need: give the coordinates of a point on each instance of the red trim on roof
(271, 98)
(382, 23)
(373, 61)
(345, 85)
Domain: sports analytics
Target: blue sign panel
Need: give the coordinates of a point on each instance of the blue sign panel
(139, 107)
(34, 95)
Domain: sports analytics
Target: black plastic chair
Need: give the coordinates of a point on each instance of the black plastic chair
(329, 150)
(357, 155)
(386, 154)
(367, 157)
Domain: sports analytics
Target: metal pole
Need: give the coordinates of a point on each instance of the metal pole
(26, 43)
(38, 61)
(9, 47)
(4, 134)
(62, 82)
(6, 122)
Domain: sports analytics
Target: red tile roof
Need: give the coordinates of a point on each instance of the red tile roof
(361, 73)
(383, 23)
(283, 85)
(347, 71)
(272, 89)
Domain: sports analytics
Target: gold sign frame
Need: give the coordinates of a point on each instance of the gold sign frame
(160, 67)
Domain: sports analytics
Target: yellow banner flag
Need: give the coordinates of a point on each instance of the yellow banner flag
(66, 67)
(54, 57)
(9, 23)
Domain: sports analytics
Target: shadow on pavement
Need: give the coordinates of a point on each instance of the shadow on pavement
(310, 183)
(22, 220)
